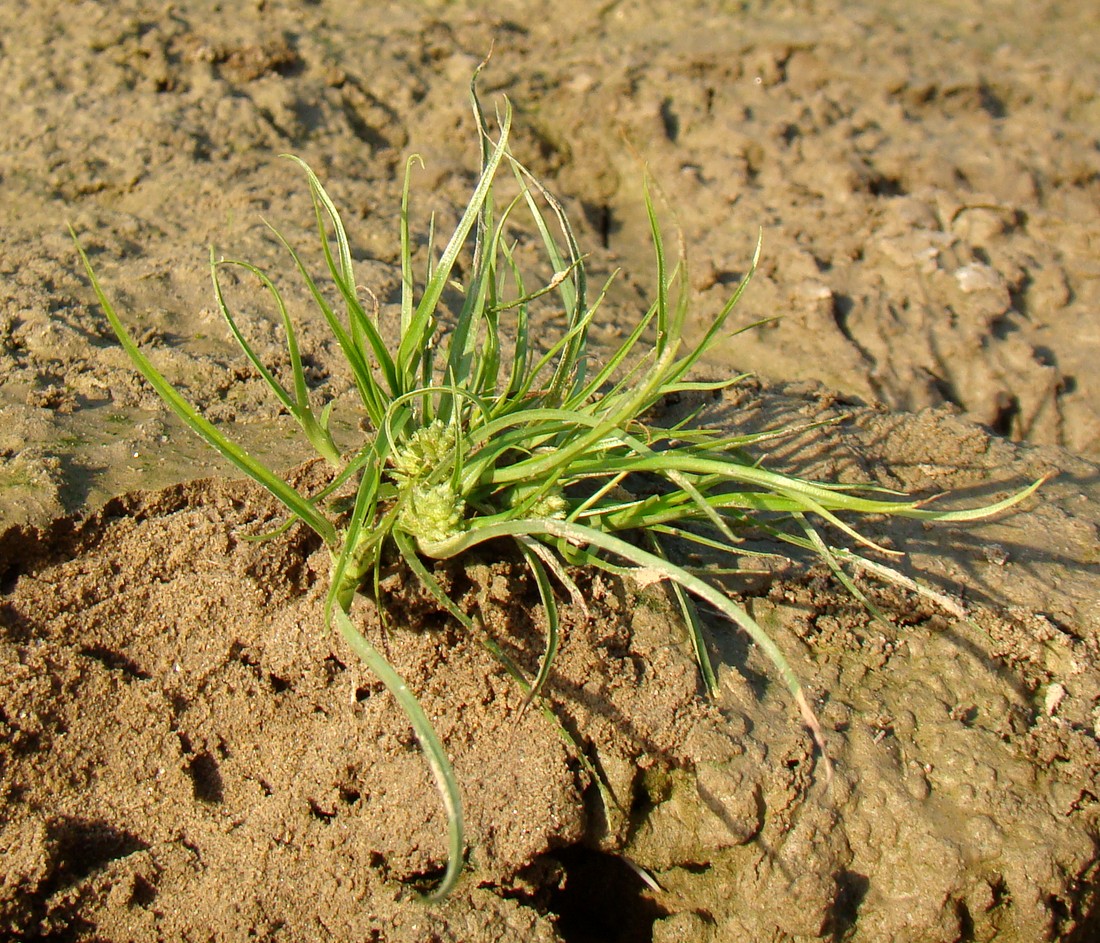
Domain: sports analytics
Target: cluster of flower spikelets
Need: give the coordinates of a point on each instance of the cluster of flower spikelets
(485, 431)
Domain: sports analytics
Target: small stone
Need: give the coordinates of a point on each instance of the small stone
(978, 277)
(1055, 695)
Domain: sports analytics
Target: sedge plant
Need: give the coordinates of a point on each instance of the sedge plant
(480, 431)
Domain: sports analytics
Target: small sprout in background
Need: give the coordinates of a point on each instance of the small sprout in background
(469, 444)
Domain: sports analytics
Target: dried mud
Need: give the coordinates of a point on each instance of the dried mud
(185, 754)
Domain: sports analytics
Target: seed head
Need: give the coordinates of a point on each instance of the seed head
(423, 452)
(431, 513)
(551, 504)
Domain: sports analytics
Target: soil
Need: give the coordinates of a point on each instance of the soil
(186, 754)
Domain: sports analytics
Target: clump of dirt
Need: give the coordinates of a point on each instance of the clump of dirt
(186, 750)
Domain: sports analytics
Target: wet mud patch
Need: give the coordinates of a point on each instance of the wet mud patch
(186, 750)
(965, 778)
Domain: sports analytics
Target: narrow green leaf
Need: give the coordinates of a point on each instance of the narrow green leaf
(433, 291)
(549, 606)
(298, 406)
(442, 772)
(237, 456)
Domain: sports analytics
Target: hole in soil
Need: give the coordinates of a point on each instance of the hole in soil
(206, 778)
(240, 652)
(324, 815)
(852, 888)
(115, 661)
(1058, 907)
(966, 921)
(350, 795)
(143, 893)
(602, 900)
(842, 308)
(670, 120)
(1044, 356)
(601, 219)
(1088, 927)
(85, 846)
(1006, 409)
(278, 685)
(883, 185)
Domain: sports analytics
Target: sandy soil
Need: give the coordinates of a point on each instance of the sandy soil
(186, 756)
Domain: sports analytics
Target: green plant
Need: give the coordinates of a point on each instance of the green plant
(476, 434)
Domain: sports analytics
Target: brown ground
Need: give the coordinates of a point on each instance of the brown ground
(186, 756)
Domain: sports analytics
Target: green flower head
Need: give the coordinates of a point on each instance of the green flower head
(550, 504)
(423, 452)
(431, 513)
